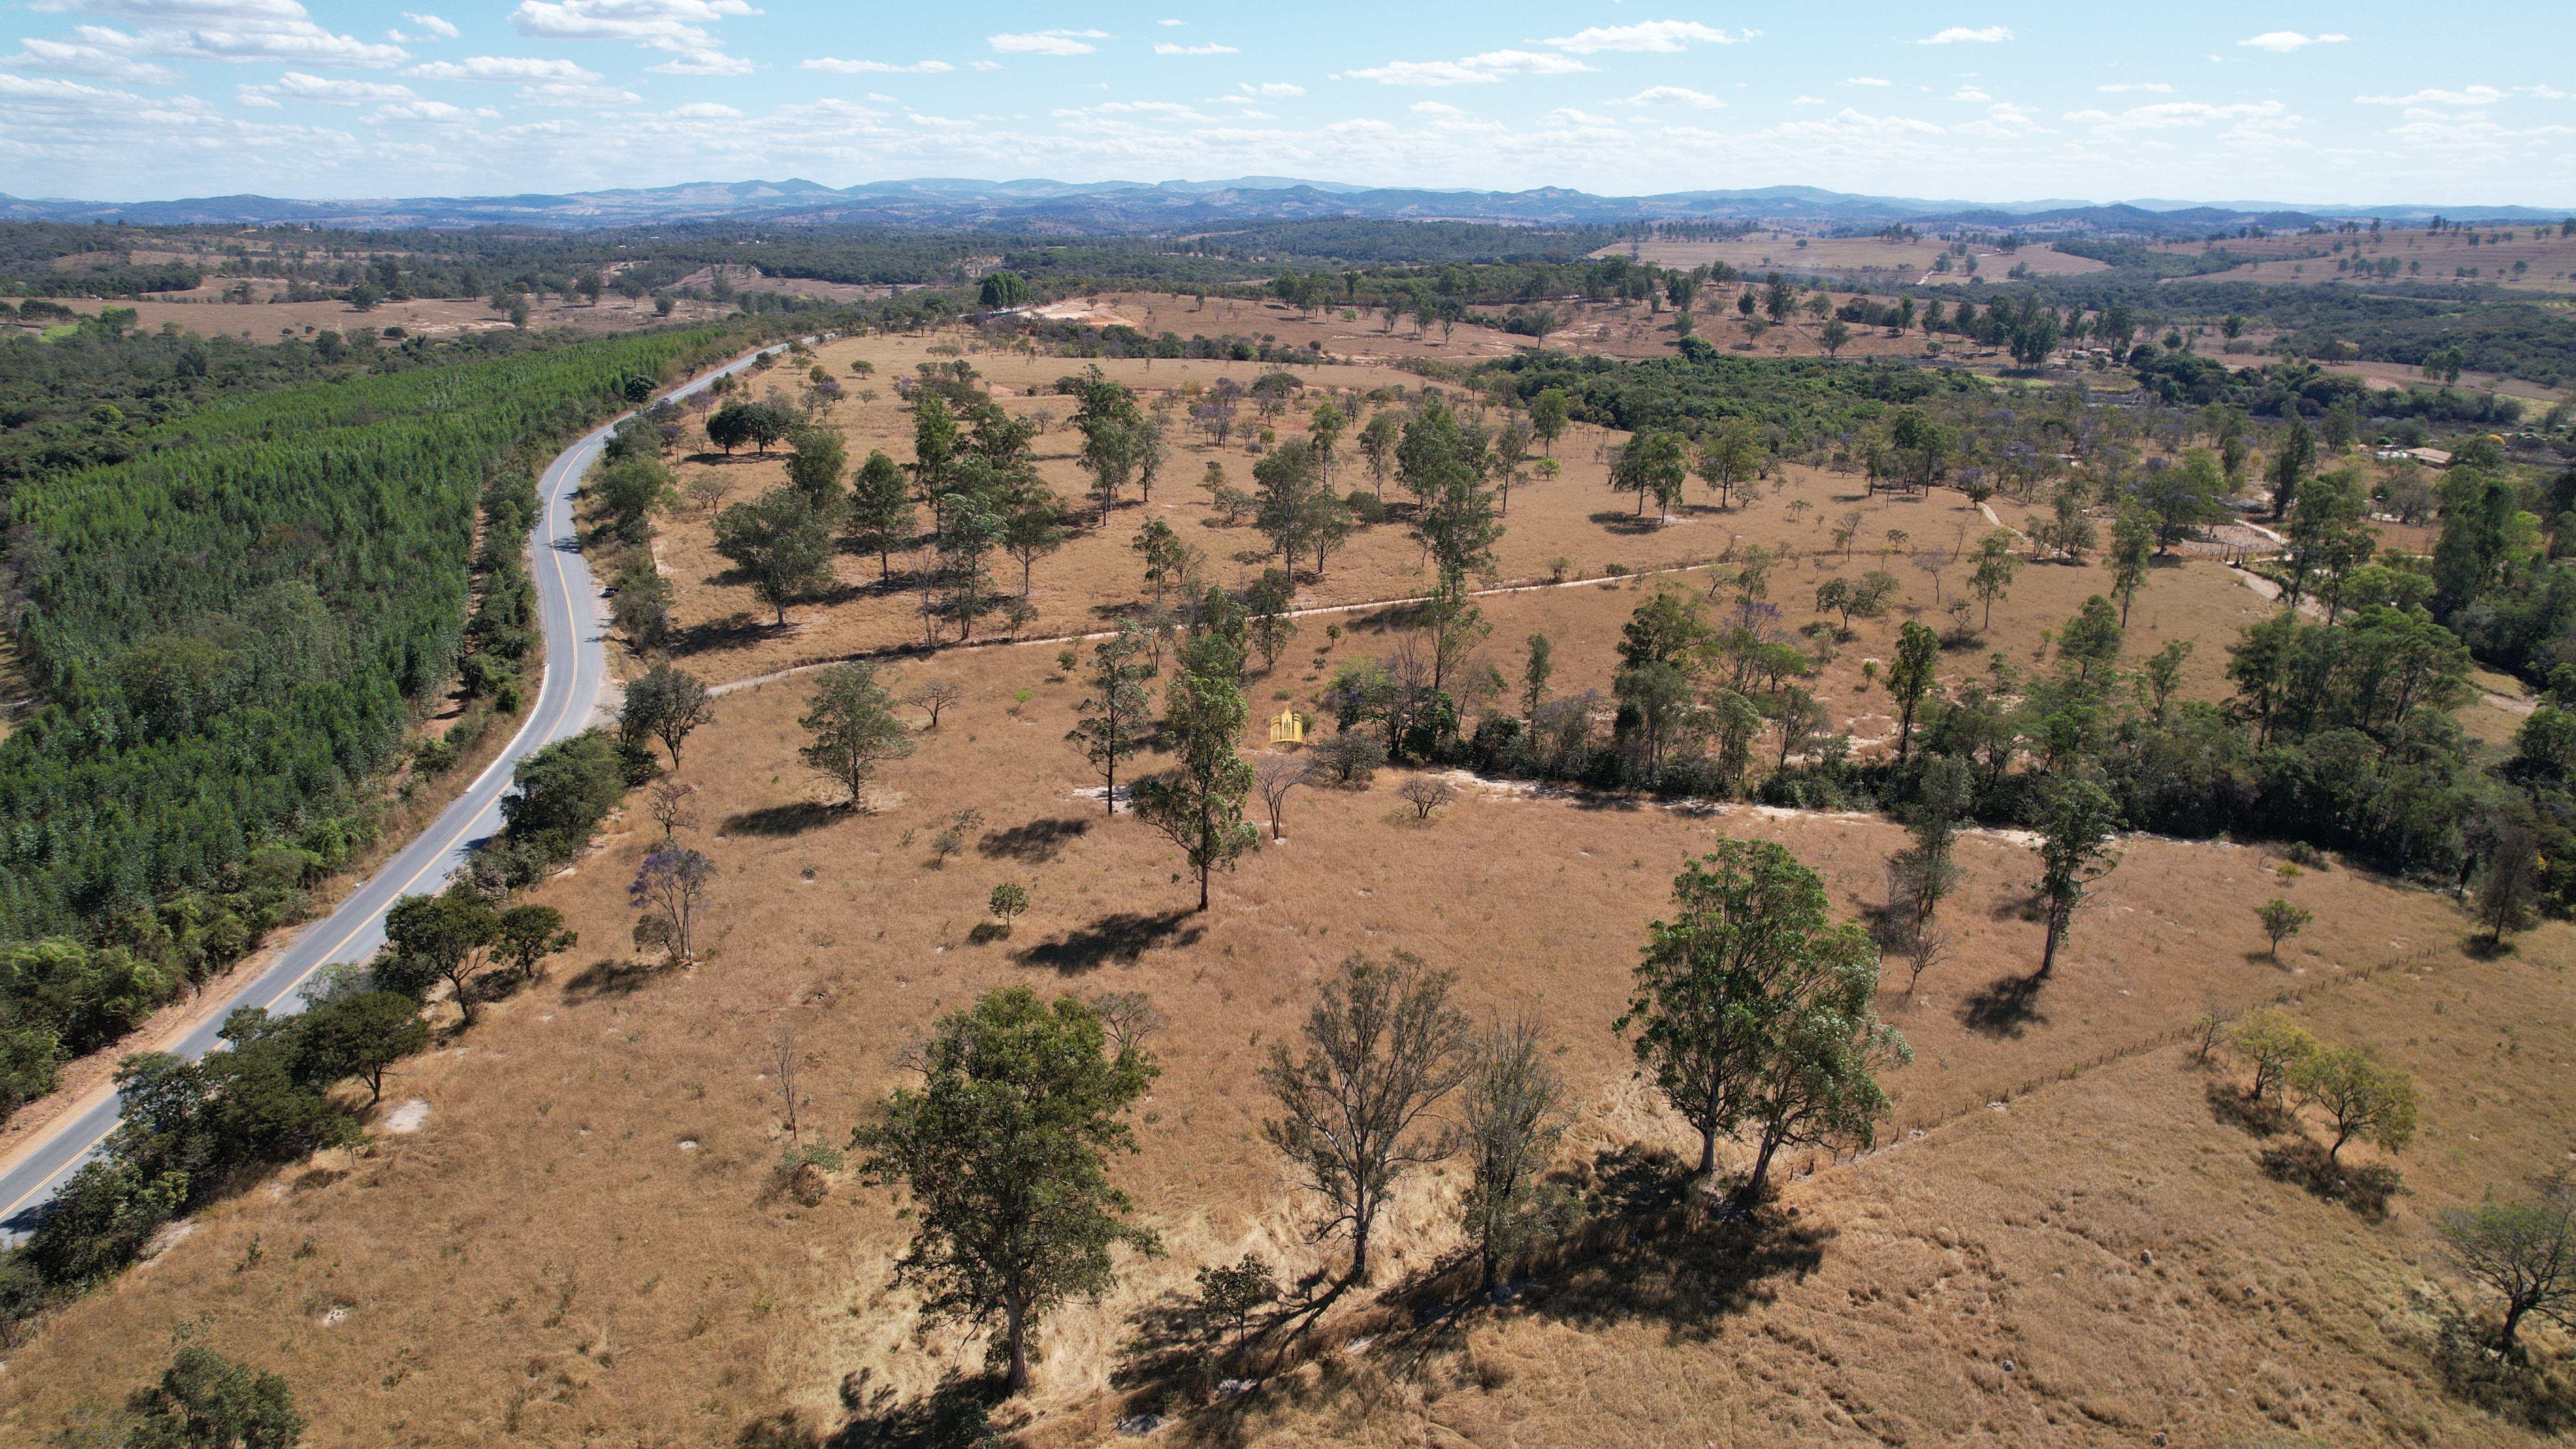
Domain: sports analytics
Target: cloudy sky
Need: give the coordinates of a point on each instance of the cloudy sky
(2359, 103)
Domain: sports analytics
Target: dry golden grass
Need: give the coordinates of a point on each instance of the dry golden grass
(581, 1241)
(2549, 259)
(1900, 263)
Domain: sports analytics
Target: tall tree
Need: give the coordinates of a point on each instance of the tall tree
(1516, 1110)
(1730, 456)
(2291, 463)
(2133, 546)
(668, 703)
(2075, 825)
(1383, 1045)
(815, 469)
(1003, 1150)
(1549, 412)
(1198, 805)
(1751, 1003)
(1909, 679)
(853, 728)
(1653, 464)
(781, 543)
(1115, 720)
(2524, 1249)
(880, 510)
(936, 442)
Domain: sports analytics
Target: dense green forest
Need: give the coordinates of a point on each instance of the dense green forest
(227, 625)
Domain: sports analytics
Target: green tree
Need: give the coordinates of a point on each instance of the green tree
(1993, 579)
(1654, 463)
(529, 934)
(360, 1035)
(1034, 524)
(1114, 716)
(1835, 334)
(2524, 1249)
(815, 469)
(853, 728)
(2282, 920)
(1515, 1104)
(2133, 546)
(1549, 412)
(1535, 674)
(2075, 825)
(2361, 1097)
(1198, 806)
(445, 937)
(1377, 443)
(1001, 290)
(1729, 457)
(880, 510)
(1751, 1004)
(1909, 679)
(1008, 900)
(2182, 498)
(1383, 1045)
(668, 703)
(1166, 557)
(207, 1401)
(1003, 1151)
(781, 543)
(936, 442)
(2291, 463)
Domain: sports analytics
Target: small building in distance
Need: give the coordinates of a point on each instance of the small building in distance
(2429, 457)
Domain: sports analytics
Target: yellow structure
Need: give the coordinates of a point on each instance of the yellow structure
(1288, 729)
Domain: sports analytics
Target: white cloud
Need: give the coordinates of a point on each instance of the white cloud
(1810, 101)
(874, 67)
(1493, 65)
(2282, 42)
(1671, 96)
(1171, 22)
(1434, 108)
(433, 111)
(661, 24)
(1166, 48)
(2157, 87)
(1271, 89)
(1047, 42)
(2166, 115)
(1971, 93)
(99, 61)
(2004, 121)
(432, 24)
(525, 69)
(1658, 35)
(574, 93)
(984, 65)
(1957, 33)
(2473, 96)
(1865, 80)
(240, 31)
(704, 62)
(295, 85)
(704, 111)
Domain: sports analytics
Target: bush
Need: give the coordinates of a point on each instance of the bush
(1365, 506)
(563, 792)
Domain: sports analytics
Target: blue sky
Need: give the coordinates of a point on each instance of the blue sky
(2358, 103)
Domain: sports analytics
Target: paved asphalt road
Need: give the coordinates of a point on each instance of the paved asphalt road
(568, 607)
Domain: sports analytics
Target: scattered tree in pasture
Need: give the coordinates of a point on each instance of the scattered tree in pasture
(446, 937)
(1002, 1151)
(2274, 1046)
(1115, 717)
(1228, 1295)
(781, 543)
(1383, 1045)
(1426, 793)
(2361, 1097)
(1198, 805)
(2076, 821)
(672, 887)
(2282, 920)
(935, 695)
(881, 511)
(667, 703)
(2524, 1249)
(1909, 679)
(529, 934)
(207, 1401)
(852, 729)
(361, 1035)
(1007, 901)
(1517, 1110)
(1274, 776)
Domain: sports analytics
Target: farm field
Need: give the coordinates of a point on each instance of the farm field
(1883, 263)
(2534, 259)
(570, 1226)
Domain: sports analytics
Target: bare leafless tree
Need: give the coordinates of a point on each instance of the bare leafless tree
(935, 695)
(1129, 1017)
(670, 806)
(1275, 776)
(786, 1055)
(1929, 947)
(1383, 1045)
(1426, 793)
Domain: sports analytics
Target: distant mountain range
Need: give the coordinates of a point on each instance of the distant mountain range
(1126, 207)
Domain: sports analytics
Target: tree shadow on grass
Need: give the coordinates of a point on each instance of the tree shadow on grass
(781, 820)
(2007, 1007)
(959, 1412)
(610, 976)
(1035, 843)
(1124, 936)
(2364, 1189)
(2264, 1118)
(1628, 525)
(2524, 1390)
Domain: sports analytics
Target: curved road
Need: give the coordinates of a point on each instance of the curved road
(568, 608)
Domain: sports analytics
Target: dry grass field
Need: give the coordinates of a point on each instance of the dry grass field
(1884, 263)
(2547, 259)
(568, 1229)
